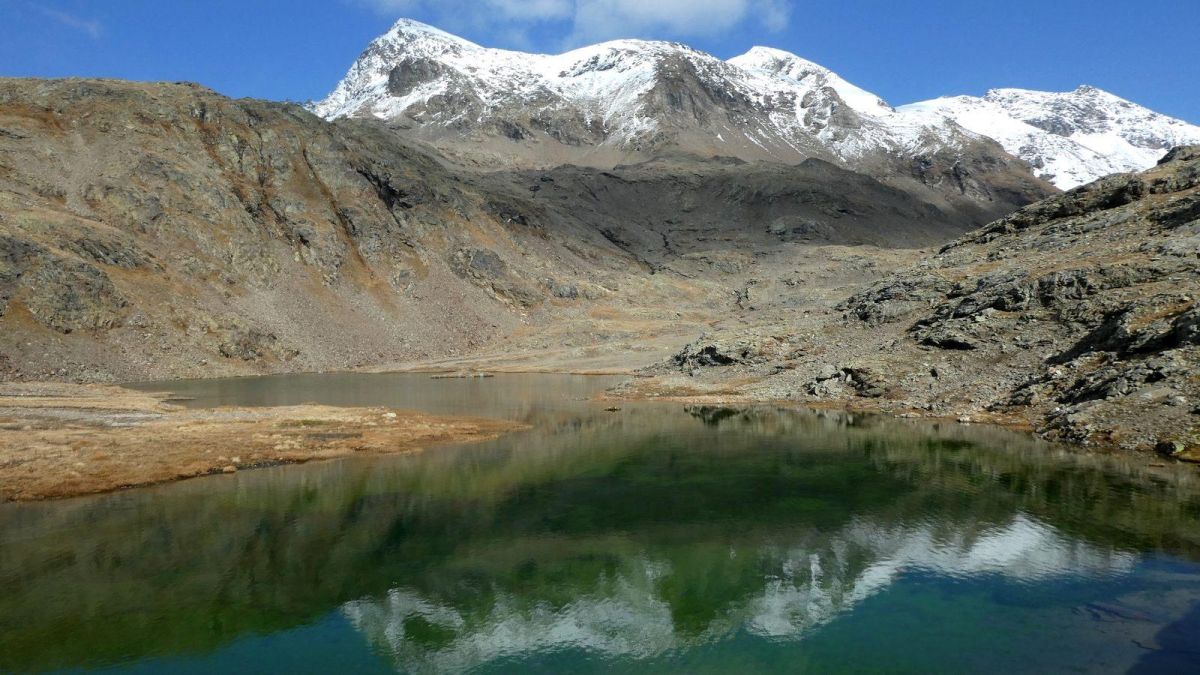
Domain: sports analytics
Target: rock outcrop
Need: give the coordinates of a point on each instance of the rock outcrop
(1079, 314)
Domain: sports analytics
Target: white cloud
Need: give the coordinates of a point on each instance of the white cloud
(519, 10)
(606, 19)
(592, 20)
(534, 10)
(775, 14)
(92, 27)
(595, 19)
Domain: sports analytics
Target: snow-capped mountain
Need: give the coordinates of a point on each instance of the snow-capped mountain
(628, 98)
(631, 100)
(1070, 138)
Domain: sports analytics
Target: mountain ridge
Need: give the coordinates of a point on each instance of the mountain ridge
(615, 93)
(1070, 138)
(624, 101)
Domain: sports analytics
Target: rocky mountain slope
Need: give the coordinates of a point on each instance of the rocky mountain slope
(1070, 138)
(1078, 314)
(630, 101)
(158, 230)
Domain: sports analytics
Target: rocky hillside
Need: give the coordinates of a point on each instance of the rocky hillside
(161, 230)
(1078, 314)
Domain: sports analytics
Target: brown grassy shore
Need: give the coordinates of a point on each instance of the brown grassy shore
(64, 440)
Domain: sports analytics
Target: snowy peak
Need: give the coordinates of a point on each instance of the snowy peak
(424, 75)
(624, 99)
(780, 64)
(629, 100)
(789, 68)
(415, 33)
(1087, 110)
(1070, 138)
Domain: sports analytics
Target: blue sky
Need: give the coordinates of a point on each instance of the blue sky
(903, 50)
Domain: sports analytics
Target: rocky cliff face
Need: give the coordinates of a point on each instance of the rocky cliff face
(154, 230)
(1078, 314)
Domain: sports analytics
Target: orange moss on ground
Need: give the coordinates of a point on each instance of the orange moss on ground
(66, 440)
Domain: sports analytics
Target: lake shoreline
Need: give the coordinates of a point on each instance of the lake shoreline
(61, 440)
(650, 388)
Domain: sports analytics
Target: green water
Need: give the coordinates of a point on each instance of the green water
(651, 539)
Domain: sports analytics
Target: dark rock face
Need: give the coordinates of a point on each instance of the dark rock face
(1142, 327)
(70, 296)
(61, 293)
(711, 355)
(709, 352)
(247, 345)
(1184, 153)
(892, 299)
(411, 73)
(485, 267)
(659, 210)
(685, 96)
(1102, 281)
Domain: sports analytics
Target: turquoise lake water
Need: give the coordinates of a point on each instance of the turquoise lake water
(656, 538)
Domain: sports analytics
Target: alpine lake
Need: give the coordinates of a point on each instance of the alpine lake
(654, 538)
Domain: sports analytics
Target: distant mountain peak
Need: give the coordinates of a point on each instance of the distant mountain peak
(787, 66)
(627, 100)
(1072, 137)
(624, 99)
(768, 55)
(412, 27)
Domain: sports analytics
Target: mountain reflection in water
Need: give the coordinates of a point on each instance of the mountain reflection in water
(802, 588)
(647, 537)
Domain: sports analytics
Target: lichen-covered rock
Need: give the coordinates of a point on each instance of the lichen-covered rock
(65, 294)
(707, 355)
(710, 352)
(247, 345)
(893, 298)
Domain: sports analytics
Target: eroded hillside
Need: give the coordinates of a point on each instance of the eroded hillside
(1077, 315)
(162, 230)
